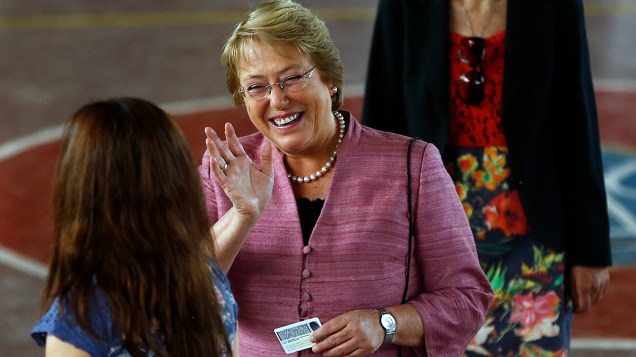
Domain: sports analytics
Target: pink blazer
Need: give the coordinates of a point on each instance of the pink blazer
(356, 256)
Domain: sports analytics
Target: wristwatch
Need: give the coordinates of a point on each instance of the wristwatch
(387, 321)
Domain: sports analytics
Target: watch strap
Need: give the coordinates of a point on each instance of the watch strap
(388, 334)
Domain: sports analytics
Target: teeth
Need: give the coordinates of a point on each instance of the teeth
(283, 121)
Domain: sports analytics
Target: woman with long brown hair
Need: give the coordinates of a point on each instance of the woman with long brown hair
(132, 270)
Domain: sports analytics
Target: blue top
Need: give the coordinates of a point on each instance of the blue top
(68, 330)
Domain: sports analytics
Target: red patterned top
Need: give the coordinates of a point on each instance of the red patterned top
(477, 125)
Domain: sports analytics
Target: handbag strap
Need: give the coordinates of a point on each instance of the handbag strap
(410, 218)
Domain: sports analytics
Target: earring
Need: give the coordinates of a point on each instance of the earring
(334, 90)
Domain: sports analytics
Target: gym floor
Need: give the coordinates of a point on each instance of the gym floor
(57, 56)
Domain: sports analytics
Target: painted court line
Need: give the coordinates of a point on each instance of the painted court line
(185, 107)
(48, 135)
(615, 182)
(616, 176)
(45, 136)
(608, 344)
(23, 264)
(19, 145)
(615, 85)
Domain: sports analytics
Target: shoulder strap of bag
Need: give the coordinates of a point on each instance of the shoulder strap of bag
(411, 229)
(410, 218)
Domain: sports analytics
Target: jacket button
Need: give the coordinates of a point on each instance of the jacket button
(306, 249)
(306, 273)
(307, 297)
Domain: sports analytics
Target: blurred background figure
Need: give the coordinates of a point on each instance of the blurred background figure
(517, 127)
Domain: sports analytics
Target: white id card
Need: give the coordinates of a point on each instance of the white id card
(295, 337)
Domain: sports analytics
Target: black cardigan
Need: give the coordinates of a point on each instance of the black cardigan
(549, 113)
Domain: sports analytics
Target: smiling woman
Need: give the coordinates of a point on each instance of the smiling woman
(339, 200)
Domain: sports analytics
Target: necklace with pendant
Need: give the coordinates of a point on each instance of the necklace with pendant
(493, 8)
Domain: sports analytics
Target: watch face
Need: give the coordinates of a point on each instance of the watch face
(388, 322)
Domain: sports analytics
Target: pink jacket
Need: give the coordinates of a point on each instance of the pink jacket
(356, 256)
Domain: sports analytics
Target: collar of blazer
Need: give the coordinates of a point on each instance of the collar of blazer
(529, 26)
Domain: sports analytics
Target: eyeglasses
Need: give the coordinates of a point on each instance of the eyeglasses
(471, 84)
(292, 83)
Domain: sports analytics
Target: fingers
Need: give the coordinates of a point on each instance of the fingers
(598, 293)
(349, 334)
(597, 297)
(581, 297)
(343, 348)
(337, 344)
(217, 164)
(327, 329)
(218, 149)
(588, 286)
(226, 153)
(232, 140)
(583, 302)
(267, 166)
(218, 172)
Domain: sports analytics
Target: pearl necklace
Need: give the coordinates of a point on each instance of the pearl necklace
(332, 159)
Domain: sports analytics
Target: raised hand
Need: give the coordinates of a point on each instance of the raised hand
(247, 186)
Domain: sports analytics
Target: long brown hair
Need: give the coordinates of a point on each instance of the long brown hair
(130, 220)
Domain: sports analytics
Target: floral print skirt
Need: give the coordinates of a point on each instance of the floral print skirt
(529, 315)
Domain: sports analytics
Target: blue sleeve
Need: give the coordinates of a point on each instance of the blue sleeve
(229, 307)
(63, 325)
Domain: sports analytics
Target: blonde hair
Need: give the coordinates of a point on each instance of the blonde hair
(278, 23)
